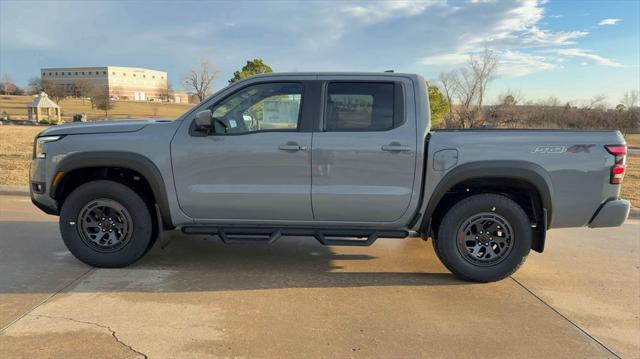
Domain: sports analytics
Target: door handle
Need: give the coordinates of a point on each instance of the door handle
(292, 147)
(396, 148)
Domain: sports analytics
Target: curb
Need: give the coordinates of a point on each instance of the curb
(14, 190)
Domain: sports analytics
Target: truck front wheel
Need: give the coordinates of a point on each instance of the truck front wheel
(106, 224)
(484, 238)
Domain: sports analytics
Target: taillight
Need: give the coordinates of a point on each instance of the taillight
(617, 171)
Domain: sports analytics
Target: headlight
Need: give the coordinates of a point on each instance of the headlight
(38, 148)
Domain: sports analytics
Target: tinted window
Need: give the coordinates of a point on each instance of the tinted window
(359, 106)
(270, 106)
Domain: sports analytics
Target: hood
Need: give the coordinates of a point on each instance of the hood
(108, 126)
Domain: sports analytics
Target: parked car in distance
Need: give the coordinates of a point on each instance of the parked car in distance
(345, 158)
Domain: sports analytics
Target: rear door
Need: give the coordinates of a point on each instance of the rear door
(364, 156)
(257, 163)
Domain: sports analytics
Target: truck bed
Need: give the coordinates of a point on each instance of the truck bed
(575, 164)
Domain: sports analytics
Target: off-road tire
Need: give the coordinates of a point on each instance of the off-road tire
(140, 228)
(447, 248)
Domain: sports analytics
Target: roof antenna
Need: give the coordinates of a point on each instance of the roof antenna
(388, 70)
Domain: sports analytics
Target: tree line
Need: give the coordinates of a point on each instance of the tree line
(458, 99)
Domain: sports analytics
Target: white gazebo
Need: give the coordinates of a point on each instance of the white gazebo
(42, 108)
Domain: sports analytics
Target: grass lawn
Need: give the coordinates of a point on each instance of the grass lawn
(633, 140)
(16, 107)
(16, 143)
(16, 150)
(631, 182)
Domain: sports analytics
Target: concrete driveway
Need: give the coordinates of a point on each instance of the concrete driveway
(198, 298)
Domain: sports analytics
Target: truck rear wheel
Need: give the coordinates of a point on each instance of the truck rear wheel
(484, 238)
(106, 224)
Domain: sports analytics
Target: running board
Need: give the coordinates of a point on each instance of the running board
(327, 237)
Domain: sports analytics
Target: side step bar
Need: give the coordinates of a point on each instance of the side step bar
(327, 237)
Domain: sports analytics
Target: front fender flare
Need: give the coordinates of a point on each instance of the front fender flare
(121, 159)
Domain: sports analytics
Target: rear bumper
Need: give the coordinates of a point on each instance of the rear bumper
(611, 214)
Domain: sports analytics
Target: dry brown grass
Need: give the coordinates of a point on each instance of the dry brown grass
(633, 140)
(631, 182)
(16, 107)
(16, 146)
(16, 143)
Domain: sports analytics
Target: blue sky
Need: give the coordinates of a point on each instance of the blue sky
(573, 50)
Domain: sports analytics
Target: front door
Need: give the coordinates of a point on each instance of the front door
(256, 165)
(364, 157)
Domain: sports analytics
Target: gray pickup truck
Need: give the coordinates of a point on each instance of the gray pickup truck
(344, 158)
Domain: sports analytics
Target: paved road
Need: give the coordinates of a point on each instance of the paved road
(295, 298)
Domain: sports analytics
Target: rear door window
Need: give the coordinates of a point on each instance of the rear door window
(360, 106)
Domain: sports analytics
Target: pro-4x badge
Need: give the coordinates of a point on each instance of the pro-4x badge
(579, 148)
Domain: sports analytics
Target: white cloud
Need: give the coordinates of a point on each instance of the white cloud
(537, 37)
(587, 56)
(514, 63)
(384, 10)
(445, 59)
(513, 34)
(511, 63)
(608, 22)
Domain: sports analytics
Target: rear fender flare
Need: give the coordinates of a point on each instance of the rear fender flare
(517, 170)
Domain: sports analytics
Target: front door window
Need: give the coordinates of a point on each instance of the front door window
(262, 107)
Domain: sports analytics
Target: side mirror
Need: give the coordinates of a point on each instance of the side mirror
(203, 121)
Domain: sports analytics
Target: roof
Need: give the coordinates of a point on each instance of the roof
(335, 73)
(354, 75)
(100, 68)
(43, 101)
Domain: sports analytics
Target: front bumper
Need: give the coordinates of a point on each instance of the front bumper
(40, 195)
(611, 214)
(48, 208)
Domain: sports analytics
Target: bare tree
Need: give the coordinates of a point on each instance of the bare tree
(166, 94)
(101, 100)
(630, 99)
(448, 81)
(597, 102)
(198, 80)
(8, 87)
(630, 118)
(83, 88)
(35, 86)
(484, 68)
(552, 101)
(467, 92)
(506, 113)
(55, 91)
(467, 87)
(510, 98)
